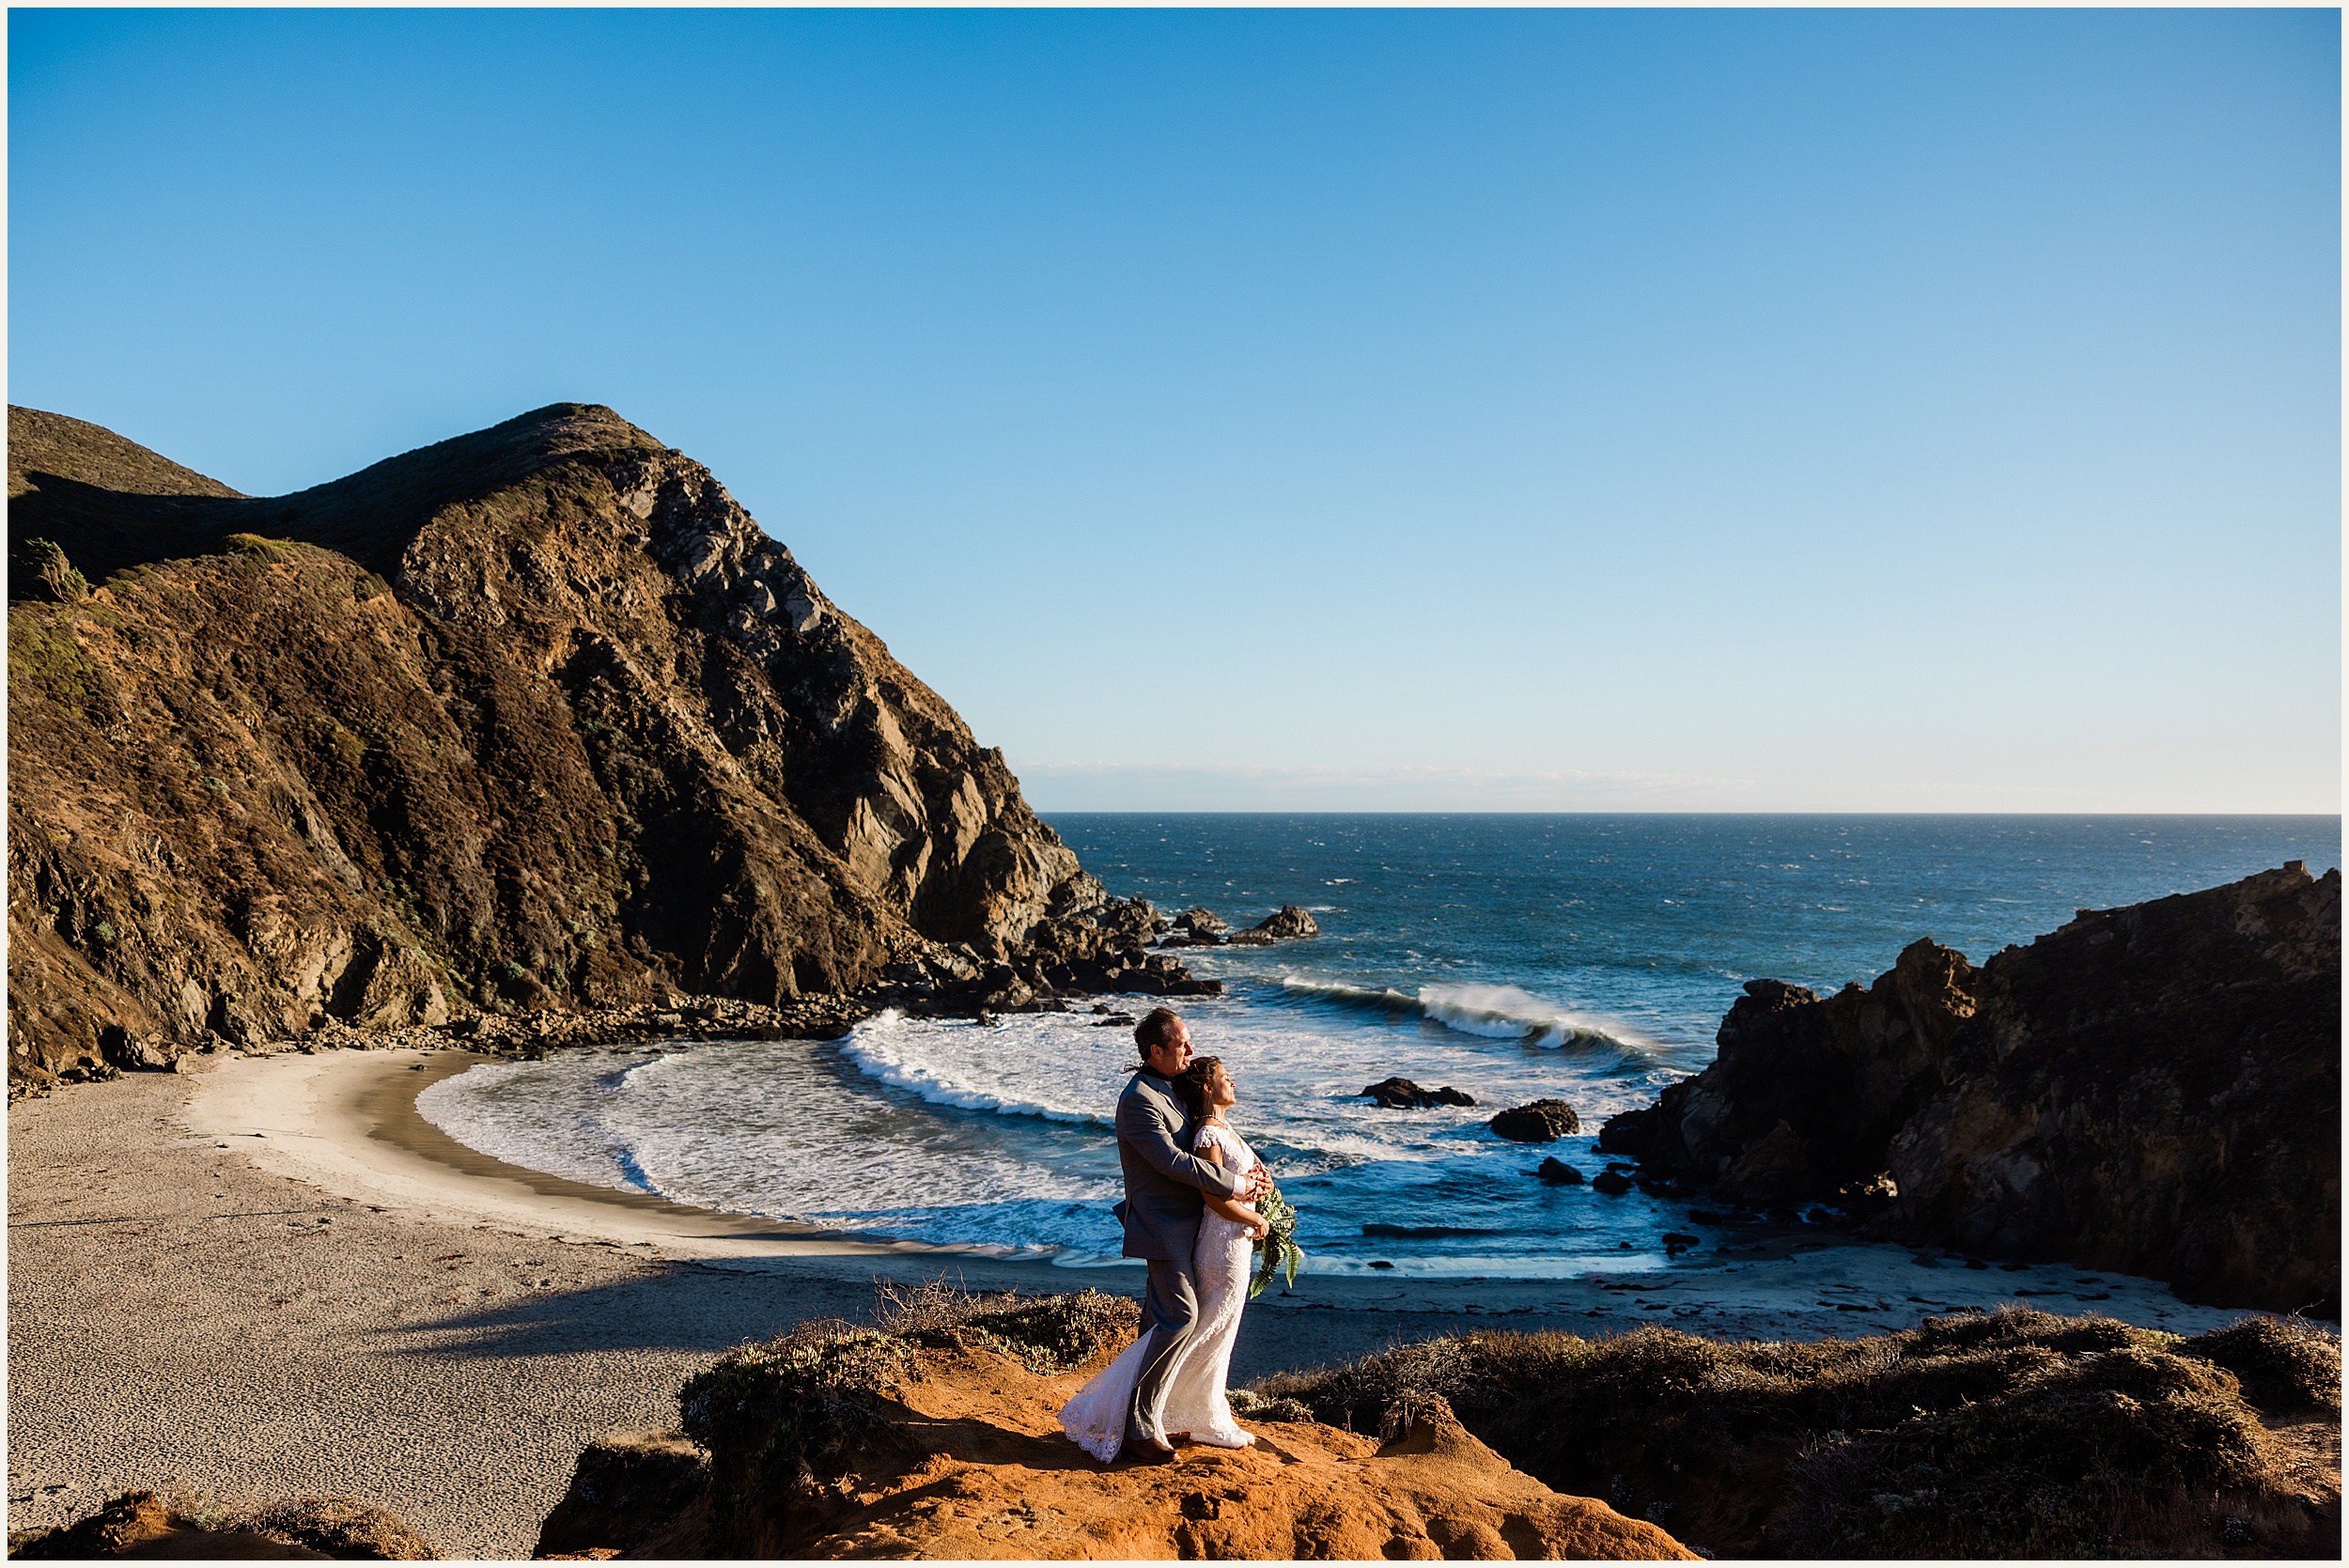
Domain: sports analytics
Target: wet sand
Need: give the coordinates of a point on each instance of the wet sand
(273, 1278)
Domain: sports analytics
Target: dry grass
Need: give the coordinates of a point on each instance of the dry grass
(2015, 1433)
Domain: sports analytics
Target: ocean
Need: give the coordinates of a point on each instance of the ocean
(1582, 957)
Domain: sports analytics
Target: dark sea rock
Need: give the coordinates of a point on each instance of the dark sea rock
(1286, 924)
(1401, 1093)
(1541, 1121)
(1558, 1172)
(1199, 921)
(2154, 1090)
(1613, 1183)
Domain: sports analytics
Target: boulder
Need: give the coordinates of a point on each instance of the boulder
(1613, 1183)
(1540, 1122)
(1198, 921)
(641, 1493)
(1401, 1093)
(1287, 923)
(1558, 1172)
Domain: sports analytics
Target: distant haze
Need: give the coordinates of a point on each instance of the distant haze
(1841, 410)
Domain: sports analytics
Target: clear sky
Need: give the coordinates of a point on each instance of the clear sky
(1620, 410)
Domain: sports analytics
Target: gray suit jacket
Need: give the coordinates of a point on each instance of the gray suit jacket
(1163, 1178)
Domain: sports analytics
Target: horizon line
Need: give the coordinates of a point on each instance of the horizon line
(1684, 811)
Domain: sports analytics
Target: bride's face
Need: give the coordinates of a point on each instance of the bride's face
(1220, 1094)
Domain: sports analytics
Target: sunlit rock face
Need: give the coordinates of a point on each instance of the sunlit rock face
(532, 717)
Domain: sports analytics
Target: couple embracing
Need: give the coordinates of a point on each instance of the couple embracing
(1190, 1180)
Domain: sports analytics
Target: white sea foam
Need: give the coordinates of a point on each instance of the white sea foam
(996, 1137)
(969, 1065)
(1507, 1013)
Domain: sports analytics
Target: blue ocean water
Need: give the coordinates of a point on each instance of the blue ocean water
(1584, 957)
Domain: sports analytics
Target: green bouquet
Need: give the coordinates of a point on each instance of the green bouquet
(1280, 1252)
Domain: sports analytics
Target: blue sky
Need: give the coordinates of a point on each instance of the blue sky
(1557, 411)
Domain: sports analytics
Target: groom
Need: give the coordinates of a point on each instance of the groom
(1163, 1184)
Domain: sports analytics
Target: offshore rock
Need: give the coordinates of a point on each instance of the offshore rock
(1199, 921)
(533, 718)
(1287, 923)
(1540, 1122)
(1401, 1093)
(2154, 1090)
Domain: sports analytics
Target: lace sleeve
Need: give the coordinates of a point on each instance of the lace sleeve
(1211, 1137)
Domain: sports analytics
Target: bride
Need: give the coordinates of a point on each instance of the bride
(1195, 1405)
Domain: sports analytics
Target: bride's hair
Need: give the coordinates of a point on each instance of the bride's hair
(1195, 1083)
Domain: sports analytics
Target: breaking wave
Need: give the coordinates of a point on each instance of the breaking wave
(883, 1048)
(1494, 1012)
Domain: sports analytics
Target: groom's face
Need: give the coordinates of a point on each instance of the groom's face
(1169, 1060)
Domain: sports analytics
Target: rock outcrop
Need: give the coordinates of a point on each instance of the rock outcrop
(143, 1525)
(1805, 1095)
(533, 718)
(2154, 1090)
(1401, 1093)
(1537, 1122)
(942, 1441)
(2011, 1434)
(1287, 923)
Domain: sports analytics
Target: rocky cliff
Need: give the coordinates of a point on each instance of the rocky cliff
(536, 717)
(2154, 1090)
(937, 1437)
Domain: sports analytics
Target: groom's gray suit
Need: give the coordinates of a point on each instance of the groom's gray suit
(1164, 1180)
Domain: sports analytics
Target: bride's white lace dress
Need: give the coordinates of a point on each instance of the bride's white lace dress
(1195, 1404)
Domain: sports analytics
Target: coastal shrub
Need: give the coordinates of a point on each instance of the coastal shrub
(340, 1527)
(1048, 1333)
(40, 570)
(2285, 1364)
(253, 547)
(2012, 1432)
(46, 661)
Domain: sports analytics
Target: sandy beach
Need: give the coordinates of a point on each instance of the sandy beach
(272, 1278)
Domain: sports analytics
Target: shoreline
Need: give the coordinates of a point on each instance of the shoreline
(347, 1121)
(349, 1303)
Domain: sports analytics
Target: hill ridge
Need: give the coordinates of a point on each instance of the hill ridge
(537, 716)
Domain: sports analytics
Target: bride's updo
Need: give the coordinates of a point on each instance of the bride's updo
(1195, 1082)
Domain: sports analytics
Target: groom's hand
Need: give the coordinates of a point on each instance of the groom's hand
(1259, 1183)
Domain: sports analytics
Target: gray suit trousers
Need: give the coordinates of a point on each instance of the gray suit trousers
(1170, 1311)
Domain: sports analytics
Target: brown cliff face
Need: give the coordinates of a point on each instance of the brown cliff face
(537, 716)
(940, 1438)
(2155, 1089)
